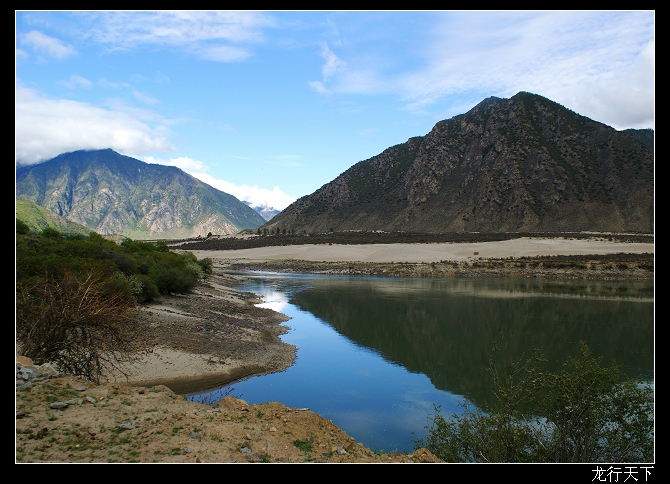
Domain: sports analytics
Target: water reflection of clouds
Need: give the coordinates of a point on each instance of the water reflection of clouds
(366, 373)
(272, 299)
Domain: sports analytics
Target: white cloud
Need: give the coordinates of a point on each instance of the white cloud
(319, 87)
(260, 197)
(223, 53)
(46, 45)
(343, 78)
(213, 35)
(143, 98)
(76, 81)
(21, 54)
(107, 84)
(287, 160)
(45, 128)
(189, 165)
(333, 64)
(597, 63)
(257, 197)
(626, 101)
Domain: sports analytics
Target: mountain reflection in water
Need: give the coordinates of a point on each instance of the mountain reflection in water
(375, 354)
(445, 329)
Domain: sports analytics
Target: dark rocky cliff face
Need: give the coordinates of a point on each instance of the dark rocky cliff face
(115, 194)
(524, 164)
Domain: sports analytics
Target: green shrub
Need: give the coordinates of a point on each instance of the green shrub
(76, 297)
(51, 233)
(206, 265)
(583, 414)
(148, 290)
(21, 227)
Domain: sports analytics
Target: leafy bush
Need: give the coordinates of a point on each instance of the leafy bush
(583, 414)
(159, 271)
(205, 265)
(77, 297)
(21, 227)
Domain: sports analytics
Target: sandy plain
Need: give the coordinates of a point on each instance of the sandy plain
(521, 247)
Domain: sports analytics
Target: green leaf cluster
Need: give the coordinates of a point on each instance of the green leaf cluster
(149, 269)
(77, 296)
(583, 414)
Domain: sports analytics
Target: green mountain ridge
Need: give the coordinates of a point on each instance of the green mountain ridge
(115, 194)
(39, 218)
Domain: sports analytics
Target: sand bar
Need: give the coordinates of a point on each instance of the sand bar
(520, 247)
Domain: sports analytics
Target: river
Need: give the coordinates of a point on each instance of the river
(377, 355)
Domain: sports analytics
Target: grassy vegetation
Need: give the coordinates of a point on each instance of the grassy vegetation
(582, 414)
(76, 296)
(39, 218)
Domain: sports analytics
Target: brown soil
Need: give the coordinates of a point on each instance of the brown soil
(161, 426)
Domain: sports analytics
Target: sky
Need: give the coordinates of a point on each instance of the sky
(269, 106)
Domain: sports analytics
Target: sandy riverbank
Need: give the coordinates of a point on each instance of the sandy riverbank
(208, 338)
(426, 253)
(216, 335)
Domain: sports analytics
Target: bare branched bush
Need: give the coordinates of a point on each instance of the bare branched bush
(78, 323)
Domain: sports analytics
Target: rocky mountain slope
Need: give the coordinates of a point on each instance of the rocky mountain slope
(524, 164)
(114, 194)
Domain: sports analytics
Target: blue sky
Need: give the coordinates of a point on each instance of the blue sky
(271, 105)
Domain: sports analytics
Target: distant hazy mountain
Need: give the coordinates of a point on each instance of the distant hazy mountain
(524, 164)
(115, 194)
(265, 211)
(39, 218)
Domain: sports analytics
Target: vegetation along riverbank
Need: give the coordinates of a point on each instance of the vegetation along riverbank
(207, 335)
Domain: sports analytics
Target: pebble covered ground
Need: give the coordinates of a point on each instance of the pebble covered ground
(66, 419)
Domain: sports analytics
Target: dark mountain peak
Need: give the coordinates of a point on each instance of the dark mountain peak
(489, 102)
(527, 96)
(524, 164)
(494, 102)
(91, 156)
(646, 136)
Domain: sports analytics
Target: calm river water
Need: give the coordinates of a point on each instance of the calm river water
(375, 355)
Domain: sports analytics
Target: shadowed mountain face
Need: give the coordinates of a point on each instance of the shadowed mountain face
(524, 164)
(115, 194)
